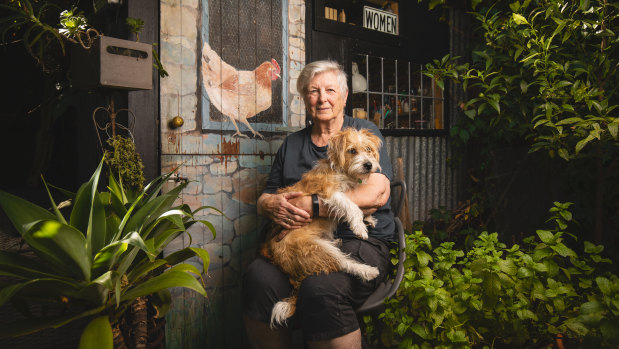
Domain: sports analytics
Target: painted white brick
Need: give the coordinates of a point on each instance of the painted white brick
(297, 120)
(293, 86)
(295, 29)
(188, 80)
(189, 19)
(189, 144)
(170, 19)
(214, 184)
(296, 3)
(190, 3)
(297, 42)
(224, 168)
(188, 107)
(170, 84)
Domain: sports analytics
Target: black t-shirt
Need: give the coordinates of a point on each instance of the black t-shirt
(299, 154)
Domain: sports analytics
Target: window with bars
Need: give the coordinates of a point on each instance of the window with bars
(395, 94)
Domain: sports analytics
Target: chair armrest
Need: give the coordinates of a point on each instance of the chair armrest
(389, 287)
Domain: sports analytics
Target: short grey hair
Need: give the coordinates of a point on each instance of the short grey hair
(319, 67)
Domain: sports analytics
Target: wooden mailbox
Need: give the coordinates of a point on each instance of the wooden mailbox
(112, 63)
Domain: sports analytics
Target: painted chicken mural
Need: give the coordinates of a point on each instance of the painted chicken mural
(238, 94)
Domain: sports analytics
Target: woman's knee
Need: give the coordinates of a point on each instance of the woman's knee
(317, 288)
(262, 275)
(324, 306)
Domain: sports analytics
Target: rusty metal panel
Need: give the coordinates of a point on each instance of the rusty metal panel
(430, 181)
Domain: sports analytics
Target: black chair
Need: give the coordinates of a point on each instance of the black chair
(387, 288)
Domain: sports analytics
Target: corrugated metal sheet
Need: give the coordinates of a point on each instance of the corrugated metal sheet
(430, 181)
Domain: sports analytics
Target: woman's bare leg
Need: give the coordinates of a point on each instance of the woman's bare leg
(262, 336)
(351, 340)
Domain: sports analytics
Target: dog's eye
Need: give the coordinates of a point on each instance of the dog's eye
(353, 151)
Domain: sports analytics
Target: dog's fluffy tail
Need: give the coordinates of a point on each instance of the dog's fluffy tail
(283, 310)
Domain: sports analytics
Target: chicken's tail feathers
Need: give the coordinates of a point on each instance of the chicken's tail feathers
(209, 57)
(214, 68)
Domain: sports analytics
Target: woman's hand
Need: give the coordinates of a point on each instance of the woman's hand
(289, 210)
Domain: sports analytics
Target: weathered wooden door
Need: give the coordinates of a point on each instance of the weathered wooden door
(232, 64)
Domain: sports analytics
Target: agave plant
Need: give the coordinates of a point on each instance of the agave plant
(95, 263)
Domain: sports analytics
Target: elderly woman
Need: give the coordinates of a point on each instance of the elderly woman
(326, 302)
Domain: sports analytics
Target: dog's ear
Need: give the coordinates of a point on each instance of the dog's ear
(337, 149)
(373, 139)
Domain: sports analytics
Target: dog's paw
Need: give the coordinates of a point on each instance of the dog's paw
(368, 273)
(360, 231)
(370, 221)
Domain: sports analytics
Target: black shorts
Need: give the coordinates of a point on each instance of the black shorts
(326, 302)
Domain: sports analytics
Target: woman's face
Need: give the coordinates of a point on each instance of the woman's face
(324, 99)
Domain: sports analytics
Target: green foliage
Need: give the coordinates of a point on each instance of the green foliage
(460, 225)
(96, 261)
(158, 65)
(545, 70)
(495, 296)
(30, 22)
(135, 26)
(125, 162)
(27, 22)
(72, 23)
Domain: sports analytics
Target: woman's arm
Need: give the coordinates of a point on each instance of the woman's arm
(372, 194)
(285, 209)
(369, 196)
(294, 210)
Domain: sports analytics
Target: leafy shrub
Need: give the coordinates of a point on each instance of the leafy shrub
(460, 225)
(96, 262)
(495, 296)
(543, 69)
(543, 73)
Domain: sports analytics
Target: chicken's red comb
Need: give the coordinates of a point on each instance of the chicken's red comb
(277, 68)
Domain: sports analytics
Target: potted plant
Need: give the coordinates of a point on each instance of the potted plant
(100, 259)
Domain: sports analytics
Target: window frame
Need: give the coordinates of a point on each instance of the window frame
(412, 68)
(423, 37)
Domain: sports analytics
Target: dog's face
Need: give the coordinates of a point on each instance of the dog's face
(354, 152)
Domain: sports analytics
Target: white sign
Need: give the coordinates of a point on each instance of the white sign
(379, 20)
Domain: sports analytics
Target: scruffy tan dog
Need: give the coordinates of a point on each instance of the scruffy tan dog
(352, 156)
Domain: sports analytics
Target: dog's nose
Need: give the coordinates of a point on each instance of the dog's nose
(367, 166)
